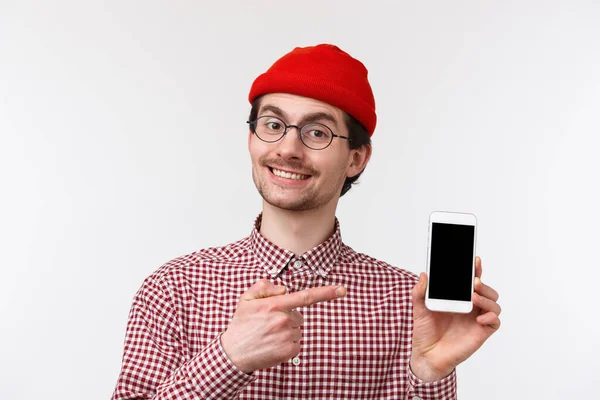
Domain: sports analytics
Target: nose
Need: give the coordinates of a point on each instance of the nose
(290, 146)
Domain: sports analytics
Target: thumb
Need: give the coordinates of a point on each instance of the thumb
(262, 289)
(418, 293)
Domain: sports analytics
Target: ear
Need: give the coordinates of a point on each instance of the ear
(249, 138)
(358, 160)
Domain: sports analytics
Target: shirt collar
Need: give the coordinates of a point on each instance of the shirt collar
(274, 259)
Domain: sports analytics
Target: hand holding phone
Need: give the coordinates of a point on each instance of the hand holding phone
(443, 340)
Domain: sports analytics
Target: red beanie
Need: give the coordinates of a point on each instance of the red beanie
(326, 73)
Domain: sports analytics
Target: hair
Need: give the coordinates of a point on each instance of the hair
(358, 134)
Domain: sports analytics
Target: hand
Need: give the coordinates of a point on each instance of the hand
(442, 340)
(265, 329)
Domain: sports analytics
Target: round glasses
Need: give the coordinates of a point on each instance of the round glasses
(313, 135)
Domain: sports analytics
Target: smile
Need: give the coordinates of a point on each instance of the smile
(289, 175)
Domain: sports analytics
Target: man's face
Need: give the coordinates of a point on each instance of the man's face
(318, 175)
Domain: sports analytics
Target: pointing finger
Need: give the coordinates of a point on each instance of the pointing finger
(311, 296)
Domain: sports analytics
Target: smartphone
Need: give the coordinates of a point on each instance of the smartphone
(451, 261)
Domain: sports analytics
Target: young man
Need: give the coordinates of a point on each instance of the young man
(291, 311)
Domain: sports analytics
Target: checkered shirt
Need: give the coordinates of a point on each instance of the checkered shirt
(355, 347)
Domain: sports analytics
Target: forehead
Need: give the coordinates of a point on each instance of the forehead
(296, 107)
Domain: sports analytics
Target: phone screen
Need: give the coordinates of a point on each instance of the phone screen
(451, 263)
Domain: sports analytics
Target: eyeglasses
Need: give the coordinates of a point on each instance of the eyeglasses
(313, 135)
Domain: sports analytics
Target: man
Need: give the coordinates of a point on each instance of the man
(291, 311)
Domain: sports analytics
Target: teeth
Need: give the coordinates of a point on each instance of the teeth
(283, 174)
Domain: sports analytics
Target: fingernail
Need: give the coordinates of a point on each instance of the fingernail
(340, 291)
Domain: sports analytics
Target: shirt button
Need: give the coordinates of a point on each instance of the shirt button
(297, 264)
(296, 362)
(416, 398)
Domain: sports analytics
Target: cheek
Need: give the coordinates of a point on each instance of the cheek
(341, 161)
(255, 149)
(334, 166)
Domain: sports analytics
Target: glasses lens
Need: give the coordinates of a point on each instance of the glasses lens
(316, 136)
(269, 129)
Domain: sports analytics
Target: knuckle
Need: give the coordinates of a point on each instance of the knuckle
(262, 284)
(293, 349)
(286, 351)
(270, 306)
(295, 334)
(289, 336)
(306, 298)
(485, 301)
(281, 320)
(281, 354)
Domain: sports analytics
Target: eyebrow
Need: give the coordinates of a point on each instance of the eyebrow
(311, 117)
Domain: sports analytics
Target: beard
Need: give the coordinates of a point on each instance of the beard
(291, 199)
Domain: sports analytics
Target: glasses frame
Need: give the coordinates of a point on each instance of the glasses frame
(299, 128)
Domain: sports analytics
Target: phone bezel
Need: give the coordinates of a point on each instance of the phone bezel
(458, 218)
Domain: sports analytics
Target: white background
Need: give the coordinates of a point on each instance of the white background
(123, 145)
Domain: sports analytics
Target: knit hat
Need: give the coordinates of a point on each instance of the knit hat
(323, 72)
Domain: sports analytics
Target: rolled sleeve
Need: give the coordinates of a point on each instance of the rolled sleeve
(444, 389)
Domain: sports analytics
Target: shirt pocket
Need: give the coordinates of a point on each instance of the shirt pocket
(361, 373)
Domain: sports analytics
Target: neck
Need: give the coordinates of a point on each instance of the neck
(297, 231)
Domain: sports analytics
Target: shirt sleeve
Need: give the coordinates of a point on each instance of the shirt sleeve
(444, 389)
(155, 361)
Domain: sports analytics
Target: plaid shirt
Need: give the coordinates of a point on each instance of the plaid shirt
(356, 347)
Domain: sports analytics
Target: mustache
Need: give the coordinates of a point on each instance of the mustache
(293, 165)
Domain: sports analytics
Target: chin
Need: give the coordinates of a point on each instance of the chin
(295, 203)
(289, 205)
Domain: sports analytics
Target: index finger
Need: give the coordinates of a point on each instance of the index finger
(310, 296)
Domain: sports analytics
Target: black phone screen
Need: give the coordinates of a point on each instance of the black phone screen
(451, 262)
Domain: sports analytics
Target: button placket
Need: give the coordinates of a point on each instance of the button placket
(295, 266)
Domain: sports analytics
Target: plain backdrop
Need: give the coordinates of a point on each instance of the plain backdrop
(124, 145)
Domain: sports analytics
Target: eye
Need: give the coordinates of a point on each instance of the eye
(276, 126)
(317, 133)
